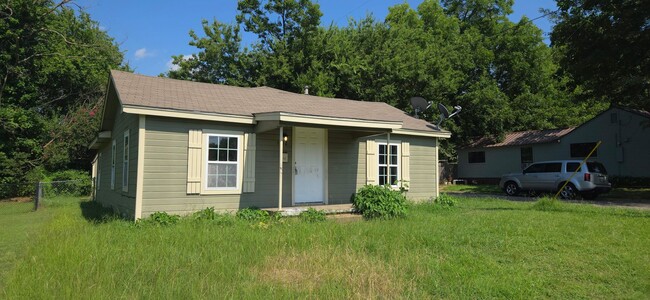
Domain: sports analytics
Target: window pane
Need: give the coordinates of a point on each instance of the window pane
(476, 157)
(583, 149)
(221, 180)
(526, 154)
(572, 167)
(393, 179)
(232, 169)
(382, 149)
(232, 155)
(382, 171)
(393, 171)
(382, 159)
(222, 169)
(553, 167)
(393, 159)
(382, 180)
(212, 169)
(212, 181)
(212, 154)
(231, 181)
(214, 142)
(393, 149)
(232, 143)
(223, 142)
(223, 155)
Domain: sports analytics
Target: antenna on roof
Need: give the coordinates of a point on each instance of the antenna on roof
(419, 105)
(444, 112)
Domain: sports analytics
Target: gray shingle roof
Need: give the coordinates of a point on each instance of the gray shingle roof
(189, 96)
(523, 138)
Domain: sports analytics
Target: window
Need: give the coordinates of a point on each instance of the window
(387, 164)
(535, 168)
(553, 167)
(573, 167)
(224, 162)
(125, 163)
(526, 155)
(113, 165)
(476, 157)
(583, 149)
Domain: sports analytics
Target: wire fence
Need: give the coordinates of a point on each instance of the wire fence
(39, 194)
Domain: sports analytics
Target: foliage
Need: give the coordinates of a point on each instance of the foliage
(626, 181)
(312, 215)
(160, 218)
(445, 201)
(54, 62)
(604, 48)
(68, 182)
(253, 214)
(456, 52)
(379, 202)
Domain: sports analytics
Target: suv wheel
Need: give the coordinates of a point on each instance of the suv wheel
(511, 188)
(569, 192)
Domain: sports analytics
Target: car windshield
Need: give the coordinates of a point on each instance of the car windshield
(596, 167)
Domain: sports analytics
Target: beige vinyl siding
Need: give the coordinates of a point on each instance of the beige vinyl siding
(422, 184)
(165, 169)
(122, 202)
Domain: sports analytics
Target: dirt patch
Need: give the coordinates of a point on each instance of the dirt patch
(18, 199)
(363, 276)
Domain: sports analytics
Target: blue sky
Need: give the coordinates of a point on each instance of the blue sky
(151, 31)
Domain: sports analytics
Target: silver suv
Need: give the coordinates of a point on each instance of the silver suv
(549, 176)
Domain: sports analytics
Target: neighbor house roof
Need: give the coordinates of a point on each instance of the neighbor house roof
(523, 138)
(139, 91)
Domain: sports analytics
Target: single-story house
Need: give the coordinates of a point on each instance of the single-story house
(624, 133)
(182, 146)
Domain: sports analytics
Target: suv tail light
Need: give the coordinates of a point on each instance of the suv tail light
(587, 177)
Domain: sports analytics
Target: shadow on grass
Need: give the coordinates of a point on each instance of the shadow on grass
(96, 213)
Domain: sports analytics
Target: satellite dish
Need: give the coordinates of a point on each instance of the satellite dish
(444, 112)
(419, 105)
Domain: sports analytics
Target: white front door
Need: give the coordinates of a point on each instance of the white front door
(309, 165)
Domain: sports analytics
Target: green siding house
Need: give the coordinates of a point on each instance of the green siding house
(624, 133)
(181, 146)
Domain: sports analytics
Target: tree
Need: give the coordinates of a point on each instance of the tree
(54, 63)
(604, 47)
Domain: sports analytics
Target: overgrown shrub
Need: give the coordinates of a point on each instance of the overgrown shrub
(312, 215)
(547, 204)
(160, 218)
(253, 214)
(444, 200)
(209, 214)
(379, 202)
(68, 182)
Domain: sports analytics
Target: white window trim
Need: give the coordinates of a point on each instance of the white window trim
(204, 164)
(126, 156)
(113, 158)
(398, 144)
(99, 172)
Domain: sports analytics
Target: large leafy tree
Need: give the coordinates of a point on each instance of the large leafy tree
(605, 48)
(53, 70)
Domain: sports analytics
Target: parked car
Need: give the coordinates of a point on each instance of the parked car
(549, 176)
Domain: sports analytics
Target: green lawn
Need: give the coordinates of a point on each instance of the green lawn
(482, 248)
(617, 194)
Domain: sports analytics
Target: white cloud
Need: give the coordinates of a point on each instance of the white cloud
(142, 53)
(171, 66)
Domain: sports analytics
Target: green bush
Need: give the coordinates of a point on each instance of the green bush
(206, 214)
(312, 215)
(68, 182)
(253, 214)
(444, 200)
(160, 218)
(379, 202)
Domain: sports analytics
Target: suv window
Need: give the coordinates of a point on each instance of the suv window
(553, 168)
(535, 168)
(596, 167)
(572, 167)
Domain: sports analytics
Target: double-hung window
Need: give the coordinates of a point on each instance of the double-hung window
(223, 162)
(388, 164)
(125, 163)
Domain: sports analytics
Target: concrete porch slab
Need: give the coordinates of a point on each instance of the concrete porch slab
(328, 209)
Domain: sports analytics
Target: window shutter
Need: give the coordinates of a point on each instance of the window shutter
(194, 162)
(249, 163)
(406, 159)
(371, 162)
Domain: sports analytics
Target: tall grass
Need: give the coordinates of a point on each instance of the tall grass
(480, 248)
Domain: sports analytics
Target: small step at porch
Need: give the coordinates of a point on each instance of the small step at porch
(328, 209)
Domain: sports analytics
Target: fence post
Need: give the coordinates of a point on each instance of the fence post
(37, 195)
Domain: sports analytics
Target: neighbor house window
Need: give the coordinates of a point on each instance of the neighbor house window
(113, 165)
(223, 161)
(583, 149)
(476, 157)
(526, 155)
(388, 163)
(125, 163)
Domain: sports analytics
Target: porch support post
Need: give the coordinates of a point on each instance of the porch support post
(388, 159)
(281, 140)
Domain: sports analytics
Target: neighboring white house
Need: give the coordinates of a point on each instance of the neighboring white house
(625, 147)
